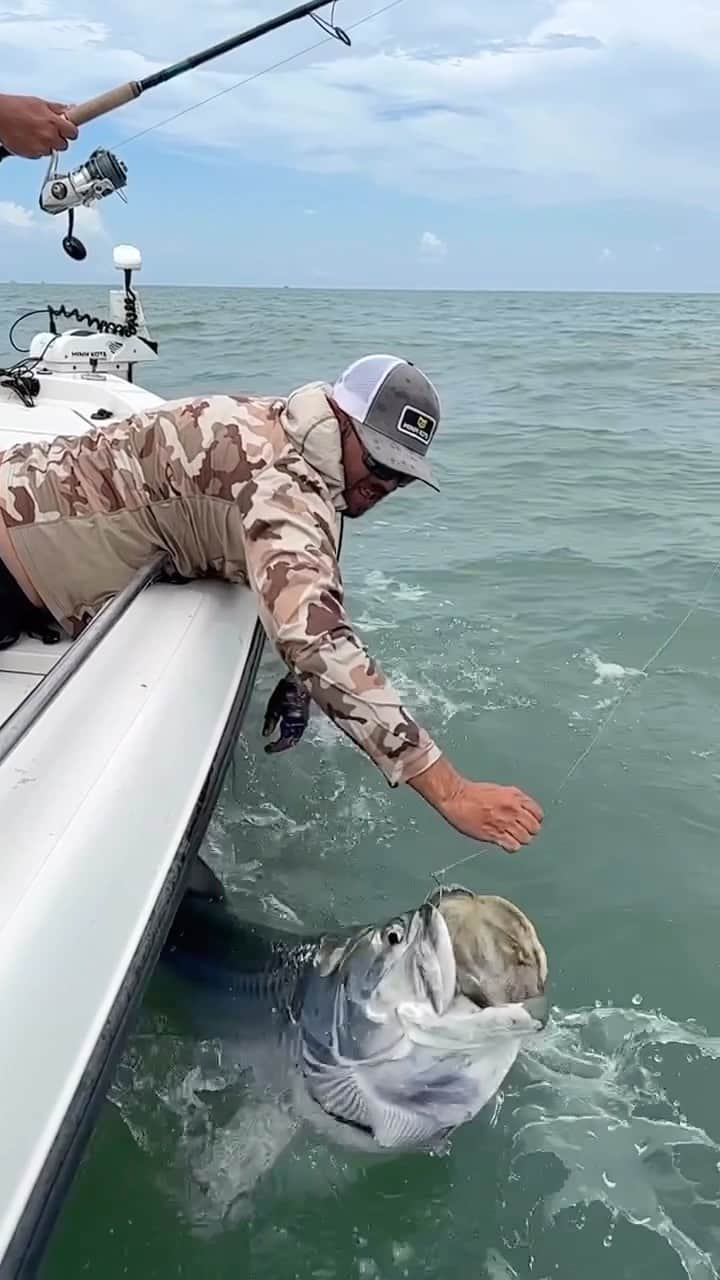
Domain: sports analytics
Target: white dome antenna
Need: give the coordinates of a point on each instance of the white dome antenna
(127, 258)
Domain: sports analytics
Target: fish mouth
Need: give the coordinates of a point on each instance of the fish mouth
(537, 1008)
(499, 957)
(439, 968)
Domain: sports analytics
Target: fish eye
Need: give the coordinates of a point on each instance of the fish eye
(394, 933)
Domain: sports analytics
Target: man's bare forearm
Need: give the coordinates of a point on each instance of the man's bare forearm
(482, 810)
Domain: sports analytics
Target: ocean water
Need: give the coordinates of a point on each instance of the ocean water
(578, 525)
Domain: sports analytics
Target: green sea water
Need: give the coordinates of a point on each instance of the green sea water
(578, 523)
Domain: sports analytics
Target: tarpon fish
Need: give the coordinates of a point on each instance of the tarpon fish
(386, 1036)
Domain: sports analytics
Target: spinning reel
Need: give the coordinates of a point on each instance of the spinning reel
(100, 176)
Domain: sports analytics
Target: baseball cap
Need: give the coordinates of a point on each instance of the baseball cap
(395, 411)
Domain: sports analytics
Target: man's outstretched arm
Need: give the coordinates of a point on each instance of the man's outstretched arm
(292, 566)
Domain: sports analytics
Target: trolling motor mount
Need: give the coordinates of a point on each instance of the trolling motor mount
(101, 175)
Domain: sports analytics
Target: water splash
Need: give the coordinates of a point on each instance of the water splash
(217, 1136)
(272, 904)
(598, 1114)
(597, 1132)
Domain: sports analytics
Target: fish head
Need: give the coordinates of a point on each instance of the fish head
(461, 1055)
(409, 1028)
(358, 986)
(353, 1045)
(409, 957)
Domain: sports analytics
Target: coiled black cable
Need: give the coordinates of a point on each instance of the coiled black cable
(127, 330)
(25, 385)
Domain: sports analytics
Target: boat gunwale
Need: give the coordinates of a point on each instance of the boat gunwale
(27, 713)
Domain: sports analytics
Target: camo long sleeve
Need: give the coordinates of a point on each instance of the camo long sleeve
(292, 565)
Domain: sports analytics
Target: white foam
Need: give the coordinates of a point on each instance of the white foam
(610, 670)
(366, 622)
(421, 695)
(323, 732)
(274, 820)
(271, 903)
(409, 592)
(380, 583)
(376, 580)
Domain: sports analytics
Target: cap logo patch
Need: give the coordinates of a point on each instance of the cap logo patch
(416, 424)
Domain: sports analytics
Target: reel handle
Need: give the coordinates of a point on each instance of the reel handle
(83, 112)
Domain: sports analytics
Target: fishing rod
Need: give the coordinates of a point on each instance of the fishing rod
(124, 93)
(103, 174)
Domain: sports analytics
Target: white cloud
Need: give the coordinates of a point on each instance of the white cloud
(539, 101)
(607, 255)
(692, 26)
(56, 33)
(432, 248)
(14, 215)
(89, 221)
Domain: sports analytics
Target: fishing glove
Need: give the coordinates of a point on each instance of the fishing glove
(288, 706)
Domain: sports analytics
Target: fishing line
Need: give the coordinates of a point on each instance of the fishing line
(440, 871)
(643, 671)
(338, 33)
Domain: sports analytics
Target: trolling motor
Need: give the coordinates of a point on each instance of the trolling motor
(101, 175)
(95, 347)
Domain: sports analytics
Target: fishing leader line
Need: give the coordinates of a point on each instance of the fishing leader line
(441, 871)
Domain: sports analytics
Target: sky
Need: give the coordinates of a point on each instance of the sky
(488, 144)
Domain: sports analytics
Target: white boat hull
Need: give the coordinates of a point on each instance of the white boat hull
(103, 802)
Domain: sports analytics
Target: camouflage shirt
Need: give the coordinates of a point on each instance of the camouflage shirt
(246, 488)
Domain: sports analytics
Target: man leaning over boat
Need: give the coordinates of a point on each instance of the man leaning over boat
(252, 489)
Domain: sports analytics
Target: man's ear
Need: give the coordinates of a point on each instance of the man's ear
(345, 422)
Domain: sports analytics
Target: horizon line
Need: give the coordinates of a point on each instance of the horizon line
(311, 288)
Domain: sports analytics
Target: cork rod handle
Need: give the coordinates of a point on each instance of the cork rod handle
(94, 107)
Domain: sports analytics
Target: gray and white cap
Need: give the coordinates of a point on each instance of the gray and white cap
(395, 410)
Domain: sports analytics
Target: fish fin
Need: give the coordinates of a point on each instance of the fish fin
(203, 881)
(398, 1111)
(420, 1107)
(342, 1096)
(336, 1089)
(394, 1126)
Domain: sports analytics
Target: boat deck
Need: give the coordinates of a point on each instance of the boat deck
(22, 666)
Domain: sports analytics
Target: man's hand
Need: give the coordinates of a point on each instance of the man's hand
(504, 816)
(32, 127)
(288, 705)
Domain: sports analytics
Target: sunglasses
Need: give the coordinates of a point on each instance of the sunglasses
(386, 474)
